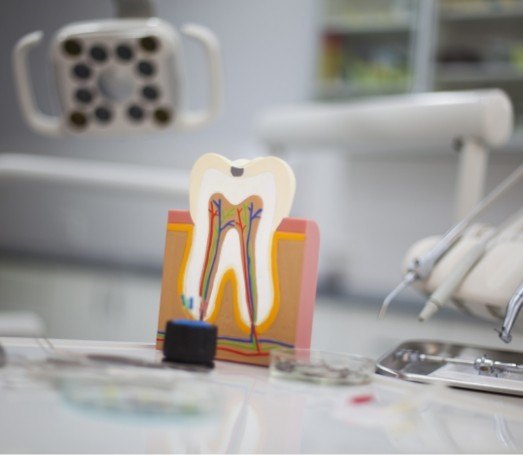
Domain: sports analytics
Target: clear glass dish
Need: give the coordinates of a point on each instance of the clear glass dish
(321, 367)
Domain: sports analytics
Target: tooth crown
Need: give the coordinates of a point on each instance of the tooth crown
(282, 174)
(237, 256)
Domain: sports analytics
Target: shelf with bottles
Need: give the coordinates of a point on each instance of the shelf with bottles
(489, 53)
(349, 69)
(365, 48)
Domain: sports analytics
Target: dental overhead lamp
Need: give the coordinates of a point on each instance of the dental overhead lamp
(113, 77)
(472, 121)
(119, 75)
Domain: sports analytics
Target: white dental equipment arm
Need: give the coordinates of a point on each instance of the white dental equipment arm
(481, 273)
(475, 120)
(416, 119)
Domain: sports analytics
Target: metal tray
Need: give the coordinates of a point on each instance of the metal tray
(462, 376)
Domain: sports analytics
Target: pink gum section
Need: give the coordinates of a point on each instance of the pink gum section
(179, 216)
(309, 279)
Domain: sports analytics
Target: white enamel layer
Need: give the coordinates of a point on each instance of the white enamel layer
(273, 181)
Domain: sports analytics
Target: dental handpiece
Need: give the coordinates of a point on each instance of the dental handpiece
(420, 268)
(441, 296)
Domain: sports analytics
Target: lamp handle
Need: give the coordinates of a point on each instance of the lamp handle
(35, 118)
(196, 119)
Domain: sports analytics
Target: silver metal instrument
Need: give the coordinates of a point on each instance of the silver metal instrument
(420, 268)
(482, 364)
(455, 365)
(513, 308)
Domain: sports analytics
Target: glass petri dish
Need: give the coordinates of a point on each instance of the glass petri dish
(321, 367)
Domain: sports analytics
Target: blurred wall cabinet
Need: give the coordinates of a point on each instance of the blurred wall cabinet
(377, 47)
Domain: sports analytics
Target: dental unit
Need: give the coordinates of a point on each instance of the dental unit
(480, 273)
(445, 290)
(421, 267)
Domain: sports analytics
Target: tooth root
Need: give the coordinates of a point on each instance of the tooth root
(235, 216)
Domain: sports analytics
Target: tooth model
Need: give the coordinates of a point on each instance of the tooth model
(237, 260)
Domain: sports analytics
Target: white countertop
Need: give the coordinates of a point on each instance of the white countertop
(253, 413)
